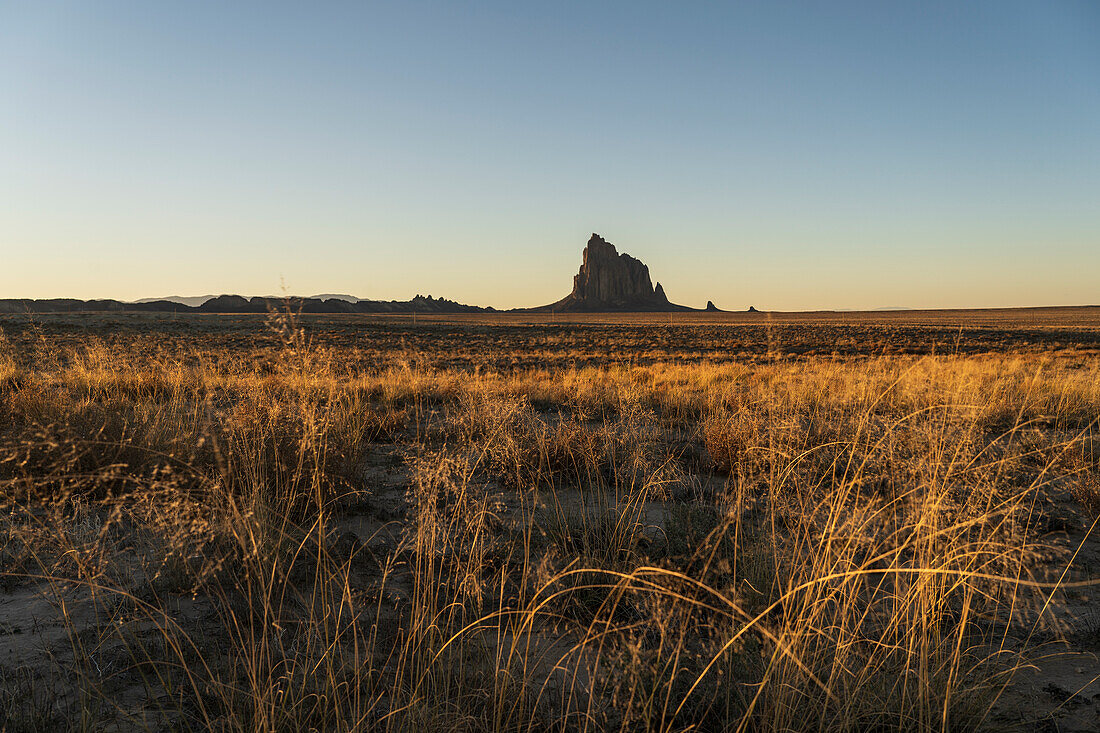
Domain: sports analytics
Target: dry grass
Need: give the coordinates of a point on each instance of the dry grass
(294, 540)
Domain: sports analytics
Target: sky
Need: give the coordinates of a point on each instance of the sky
(786, 155)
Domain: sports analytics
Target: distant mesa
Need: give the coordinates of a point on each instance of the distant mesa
(610, 281)
(712, 308)
(752, 309)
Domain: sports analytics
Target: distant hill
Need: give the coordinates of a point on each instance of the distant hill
(336, 296)
(191, 300)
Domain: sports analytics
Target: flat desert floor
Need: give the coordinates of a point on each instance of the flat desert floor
(728, 521)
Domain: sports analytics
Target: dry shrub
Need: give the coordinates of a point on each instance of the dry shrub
(509, 441)
(451, 531)
(502, 434)
(729, 439)
(1082, 460)
(859, 617)
(573, 448)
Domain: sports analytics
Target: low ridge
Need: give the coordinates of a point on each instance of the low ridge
(240, 304)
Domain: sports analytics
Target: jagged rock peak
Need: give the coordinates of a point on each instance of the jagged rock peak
(610, 281)
(607, 277)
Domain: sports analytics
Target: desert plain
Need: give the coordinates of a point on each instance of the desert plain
(536, 521)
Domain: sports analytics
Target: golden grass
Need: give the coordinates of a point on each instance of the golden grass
(820, 545)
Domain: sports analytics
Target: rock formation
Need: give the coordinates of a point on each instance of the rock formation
(610, 281)
(610, 278)
(607, 281)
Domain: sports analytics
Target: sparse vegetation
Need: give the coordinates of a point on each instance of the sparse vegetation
(279, 528)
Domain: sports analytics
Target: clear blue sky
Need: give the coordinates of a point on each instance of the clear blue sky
(789, 155)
